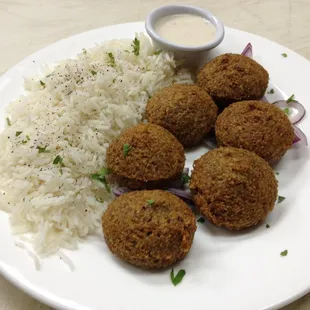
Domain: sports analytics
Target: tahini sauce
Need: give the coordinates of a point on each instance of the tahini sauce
(185, 29)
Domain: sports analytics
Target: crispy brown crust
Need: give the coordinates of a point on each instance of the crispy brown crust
(156, 155)
(149, 236)
(231, 77)
(256, 126)
(233, 188)
(187, 111)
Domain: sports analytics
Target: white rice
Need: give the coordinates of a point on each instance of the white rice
(79, 106)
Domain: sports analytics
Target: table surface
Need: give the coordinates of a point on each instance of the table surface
(29, 25)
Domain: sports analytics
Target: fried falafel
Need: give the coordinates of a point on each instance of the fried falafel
(232, 77)
(256, 126)
(149, 229)
(233, 188)
(145, 156)
(187, 111)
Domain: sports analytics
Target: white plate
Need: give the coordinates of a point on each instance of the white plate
(225, 270)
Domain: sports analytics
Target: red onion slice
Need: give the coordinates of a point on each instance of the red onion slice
(264, 99)
(177, 188)
(300, 137)
(184, 194)
(210, 141)
(296, 110)
(248, 51)
(118, 191)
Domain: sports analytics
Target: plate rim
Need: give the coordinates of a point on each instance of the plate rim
(53, 300)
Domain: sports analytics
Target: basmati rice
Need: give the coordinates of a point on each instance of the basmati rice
(59, 133)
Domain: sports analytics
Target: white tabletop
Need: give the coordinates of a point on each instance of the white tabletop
(29, 25)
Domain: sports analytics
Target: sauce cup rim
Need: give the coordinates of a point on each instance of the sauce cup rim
(173, 9)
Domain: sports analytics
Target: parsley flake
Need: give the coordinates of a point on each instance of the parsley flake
(42, 84)
(93, 72)
(284, 55)
(271, 91)
(150, 202)
(136, 46)
(280, 199)
(290, 99)
(18, 133)
(284, 253)
(178, 278)
(267, 226)
(8, 121)
(185, 178)
(101, 177)
(111, 60)
(42, 149)
(157, 52)
(126, 149)
(58, 160)
(201, 220)
(287, 111)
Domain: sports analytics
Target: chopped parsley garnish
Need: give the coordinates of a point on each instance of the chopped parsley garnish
(201, 220)
(267, 226)
(280, 199)
(101, 177)
(150, 202)
(126, 149)
(284, 55)
(277, 173)
(158, 52)
(271, 91)
(93, 72)
(42, 149)
(290, 99)
(111, 60)
(185, 178)
(42, 84)
(84, 51)
(284, 253)
(58, 160)
(126, 51)
(287, 111)
(18, 133)
(8, 121)
(114, 80)
(136, 46)
(178, 278)
(27, 139)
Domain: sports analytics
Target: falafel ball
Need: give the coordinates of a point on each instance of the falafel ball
(149, 229)
(256, 126)
(187, 111)
(232, 77)
(233, 188)
(145, 156)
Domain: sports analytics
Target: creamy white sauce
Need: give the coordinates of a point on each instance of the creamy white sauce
(185, 29)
